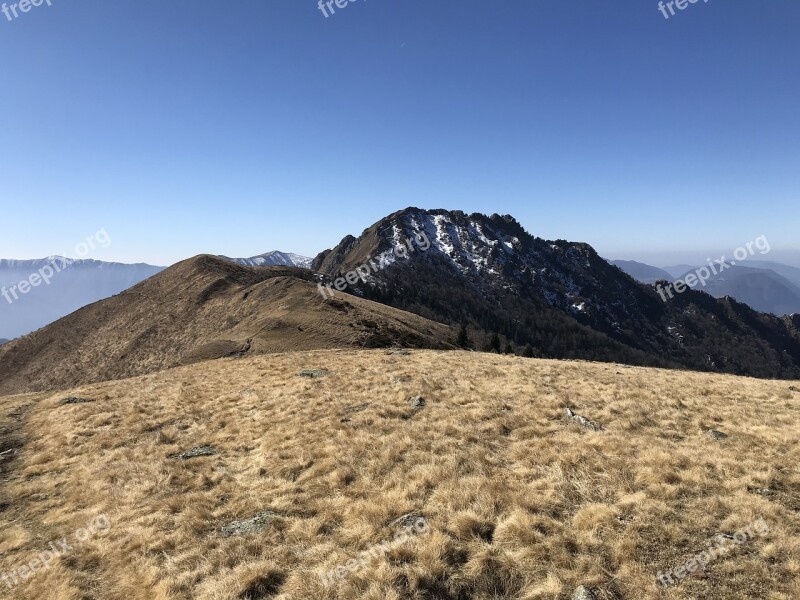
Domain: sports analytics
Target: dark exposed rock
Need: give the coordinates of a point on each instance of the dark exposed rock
(716, 435)
(75, 400)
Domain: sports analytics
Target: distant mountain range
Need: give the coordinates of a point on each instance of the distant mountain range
(80, 283)
(642, 272)
(766, 286)
(72, 285)
(417, 278)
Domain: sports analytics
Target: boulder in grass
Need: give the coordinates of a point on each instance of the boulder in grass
(716, 435)
(195, 452)
(571, 415)
(75, 400)
(417, 403)
(407, 521)
(583, 593)
(248, 526)
(398, 352)
(313, 373)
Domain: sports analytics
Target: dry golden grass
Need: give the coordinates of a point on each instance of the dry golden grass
(520, 503)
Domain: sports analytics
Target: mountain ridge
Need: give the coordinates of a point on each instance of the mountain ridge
(275, 258)
(200, 309)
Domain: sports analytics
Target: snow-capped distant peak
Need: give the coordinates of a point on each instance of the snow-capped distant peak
(275, 259)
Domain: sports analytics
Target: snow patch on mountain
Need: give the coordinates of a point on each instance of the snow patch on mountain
(275, 258)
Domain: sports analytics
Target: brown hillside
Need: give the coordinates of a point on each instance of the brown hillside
(204, 308)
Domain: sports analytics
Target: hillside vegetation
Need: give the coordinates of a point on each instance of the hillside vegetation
(289, 476)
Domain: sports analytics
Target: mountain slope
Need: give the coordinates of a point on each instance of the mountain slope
(761, 289)
(519, 503)
(764, 286)
(559, 297)
(641, 272)
(274, 259)
(199, 309)
(787, 271)
(73, 284)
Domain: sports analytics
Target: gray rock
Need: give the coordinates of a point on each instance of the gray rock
(406, 521)
(75, 400)
(417, 402)
(794, 388)
(399, 352)
(716, 435)
(345, 420)
(581, 420)
(248, 526)
(583, 593)
(195, 452)
(313, 373)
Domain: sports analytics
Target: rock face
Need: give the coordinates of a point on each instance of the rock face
(248, 526)
(716, 435)
(564, 300)
(581, 420)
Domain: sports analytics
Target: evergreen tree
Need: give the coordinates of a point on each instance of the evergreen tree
(494, 345)
(463, 340)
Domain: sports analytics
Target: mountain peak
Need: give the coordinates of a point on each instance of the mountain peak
(275, 258)
(559, 298)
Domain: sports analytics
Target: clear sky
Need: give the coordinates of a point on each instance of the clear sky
(189, 126)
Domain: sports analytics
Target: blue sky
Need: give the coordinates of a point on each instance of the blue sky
(235, 128)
